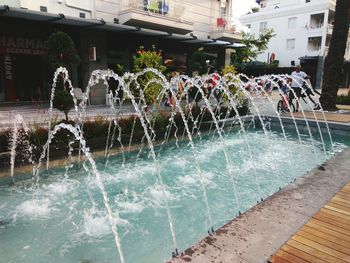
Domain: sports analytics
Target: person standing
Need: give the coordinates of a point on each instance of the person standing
(298, 77)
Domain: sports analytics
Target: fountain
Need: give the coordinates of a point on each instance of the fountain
(165, 176)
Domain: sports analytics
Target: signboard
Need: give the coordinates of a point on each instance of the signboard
(10, 89)
(24, 46)
(92, 54)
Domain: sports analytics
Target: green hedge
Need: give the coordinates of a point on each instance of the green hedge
(95, 131)
(343, 100)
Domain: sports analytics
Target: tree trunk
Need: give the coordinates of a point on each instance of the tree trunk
(334, 61)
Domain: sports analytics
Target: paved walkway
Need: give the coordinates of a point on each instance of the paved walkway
(343, 116)
(38, 114)
(324, 238)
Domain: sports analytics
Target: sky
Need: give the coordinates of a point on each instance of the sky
(241, 7)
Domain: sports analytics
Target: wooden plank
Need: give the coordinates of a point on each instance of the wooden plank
(347, 187)
(335, 205)
(317, 253)
(340, 201)
(301, 254)
(332, 220)
(277, 259)
(290, 257)
(337, 210)
(321, 247)
(334, 216)
(334, 213)
(343, 195)
(325, 242)
(325, 238)
(344, 243)
(327, 231)
(329, 226)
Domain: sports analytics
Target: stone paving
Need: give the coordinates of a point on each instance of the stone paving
(38, 114)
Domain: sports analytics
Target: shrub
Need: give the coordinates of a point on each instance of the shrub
(198, 62)
(343, 99)
(63, 101)
(148, 59)
(61, 50)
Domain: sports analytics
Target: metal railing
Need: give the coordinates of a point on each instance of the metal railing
(229, 25)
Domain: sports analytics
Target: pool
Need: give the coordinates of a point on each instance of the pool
(62, 218)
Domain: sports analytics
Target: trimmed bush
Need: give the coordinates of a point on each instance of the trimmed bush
(63, 101)
(343, 100)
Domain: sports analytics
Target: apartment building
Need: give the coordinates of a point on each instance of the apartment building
(113, 28)
(303, 31)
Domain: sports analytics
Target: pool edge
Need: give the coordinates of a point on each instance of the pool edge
(260, 231)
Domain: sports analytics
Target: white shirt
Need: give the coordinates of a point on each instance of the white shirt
(298, 79)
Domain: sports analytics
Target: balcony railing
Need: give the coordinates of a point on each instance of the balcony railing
(329, 29)
(224, 28)
(224, 24)
(326, 50)
(157, 7)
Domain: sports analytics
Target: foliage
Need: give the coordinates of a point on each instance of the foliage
(63, 101)
(148, 59)
(253, 47)
(198, 62)
(343, 100)
(61, 50)
(232, 87)
(229, 70)
(96, 128)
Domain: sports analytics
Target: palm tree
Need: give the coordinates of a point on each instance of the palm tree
(332, 73)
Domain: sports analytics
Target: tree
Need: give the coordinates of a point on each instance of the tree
(63, 101)
(334, 61)
(61, 50)
(198, 62)
(253, 47)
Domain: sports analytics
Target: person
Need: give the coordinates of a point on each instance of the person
(298, 77)
(308, 89)
(170, 101)
(213, 82)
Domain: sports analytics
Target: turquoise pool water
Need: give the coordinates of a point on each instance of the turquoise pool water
(62, 218)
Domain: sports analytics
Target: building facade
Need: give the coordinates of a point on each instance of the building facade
(114, 28)
(303, 31)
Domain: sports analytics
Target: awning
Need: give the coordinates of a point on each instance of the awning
(61, 19)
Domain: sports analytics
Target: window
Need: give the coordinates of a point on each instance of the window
(292, 22)
(82, 15)
(307, 1)
(248, 26)
(43, 8)
(263, 26)
(291, 43)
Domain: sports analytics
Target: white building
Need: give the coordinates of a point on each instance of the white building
(204, 19)
(112, 28)
(303, 31)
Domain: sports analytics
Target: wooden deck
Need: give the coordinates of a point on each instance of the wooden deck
(324, 238)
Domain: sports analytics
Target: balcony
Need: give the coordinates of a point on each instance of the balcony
(329, 29)
(155, 14)
(326, 50)
(225, 30)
